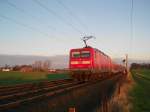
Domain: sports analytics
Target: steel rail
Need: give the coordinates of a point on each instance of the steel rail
(26, 84)
(37, 91)
(32, 97)
(33, 87)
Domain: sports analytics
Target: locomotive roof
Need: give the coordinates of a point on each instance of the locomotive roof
(96, 50)
(101, 52)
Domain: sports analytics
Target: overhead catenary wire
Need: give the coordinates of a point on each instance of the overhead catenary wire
(24, 25)
(72, 14)
(30, 15)
(58, 16)
(33, 17)
(131, 27)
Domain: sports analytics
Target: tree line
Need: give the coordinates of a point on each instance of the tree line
(142, 65)
(36, 66)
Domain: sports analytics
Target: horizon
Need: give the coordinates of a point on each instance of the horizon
(57, 62)
(28, 55)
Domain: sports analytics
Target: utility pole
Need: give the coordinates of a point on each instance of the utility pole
(126, 62)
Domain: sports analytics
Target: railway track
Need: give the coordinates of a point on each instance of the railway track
(31, 93)
(31, 86)
(10, 99)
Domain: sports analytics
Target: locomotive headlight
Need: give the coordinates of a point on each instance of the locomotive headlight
(86, 62)
(74, 62)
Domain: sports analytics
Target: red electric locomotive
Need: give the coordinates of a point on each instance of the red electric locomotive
(90, 63)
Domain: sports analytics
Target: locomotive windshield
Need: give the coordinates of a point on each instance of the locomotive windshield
(76, 54)
(85, 54)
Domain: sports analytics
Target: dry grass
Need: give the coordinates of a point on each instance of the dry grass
(121, 101)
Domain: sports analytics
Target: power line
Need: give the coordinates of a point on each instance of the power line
(24, 25)
(58, 16)
(23, 11)
(131, 27)
(73, 15)
(32, 16)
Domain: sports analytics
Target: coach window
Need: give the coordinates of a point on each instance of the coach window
(85, 54)
(76, 54)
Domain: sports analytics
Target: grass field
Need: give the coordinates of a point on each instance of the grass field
(141, 91)
(58, 76)
(9, 78)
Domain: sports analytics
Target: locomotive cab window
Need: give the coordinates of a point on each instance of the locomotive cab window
(76, 54)
(85, 54)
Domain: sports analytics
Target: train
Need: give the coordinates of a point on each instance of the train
(89, 63)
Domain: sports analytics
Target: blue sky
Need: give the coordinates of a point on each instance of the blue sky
(26, 28)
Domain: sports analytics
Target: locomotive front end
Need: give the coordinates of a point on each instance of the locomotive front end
(80, 63)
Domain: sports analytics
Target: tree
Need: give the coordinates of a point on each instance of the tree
(46, 65)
